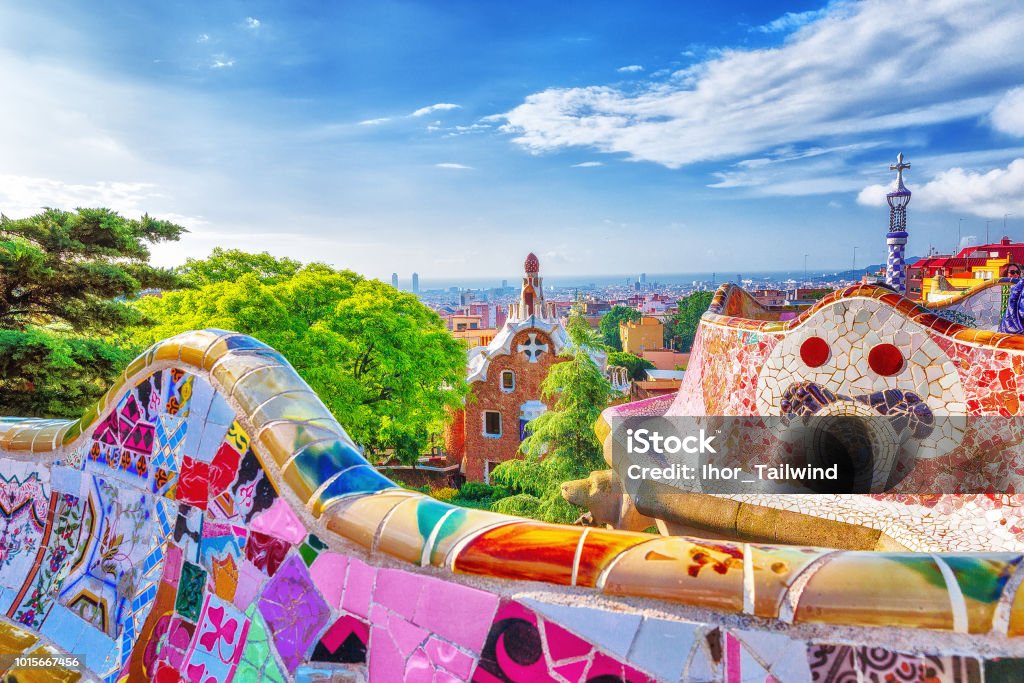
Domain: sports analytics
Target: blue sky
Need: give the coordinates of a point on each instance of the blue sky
(451, 138)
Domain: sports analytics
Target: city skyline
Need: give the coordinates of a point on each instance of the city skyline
(451, 140)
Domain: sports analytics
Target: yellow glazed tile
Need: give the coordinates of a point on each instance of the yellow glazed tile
(167, 350)
(44, 439)
(135, 367)
(22, 439)
(281, 440)
(407, 528)
(292, 405)
(688, 571)
(193, 345)
(229, 343)
(774, 569)
(229, 370)
(297, 483)
(875, 589)
(358, 518)
(1016, 627)
(15, 639)
(981, 578)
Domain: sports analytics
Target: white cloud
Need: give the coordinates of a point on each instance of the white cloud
(632, 68)
(982, 193)
(440, 106)
(849, 74)
(222, 62)
(587, 164)
(873, 195)
(203, 38)
(252, 23)
(1008, 115)
(22, 196)
(791, 21)
(459, 167)
(375, 122)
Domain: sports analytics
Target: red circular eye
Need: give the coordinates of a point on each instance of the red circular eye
(814, 351)
(885, 359)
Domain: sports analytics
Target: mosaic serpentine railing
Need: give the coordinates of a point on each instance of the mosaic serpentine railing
(210, 520)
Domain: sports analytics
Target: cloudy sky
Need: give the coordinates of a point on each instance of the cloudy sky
(453, 137)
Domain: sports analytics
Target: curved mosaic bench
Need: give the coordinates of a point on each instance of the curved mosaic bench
(981, 307)
(209, 520)
(748, 362)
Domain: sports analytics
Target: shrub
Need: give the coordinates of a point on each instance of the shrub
(446, 494)
(476, 490)
(520, 505)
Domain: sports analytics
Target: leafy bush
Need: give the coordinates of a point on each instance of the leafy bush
(520, 505)
(446, 494)
(476, 490)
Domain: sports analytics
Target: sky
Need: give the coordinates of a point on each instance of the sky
(452, 138)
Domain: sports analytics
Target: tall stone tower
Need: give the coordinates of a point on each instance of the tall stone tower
(896, 238)
(531, 299)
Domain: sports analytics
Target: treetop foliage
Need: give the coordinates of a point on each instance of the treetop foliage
(682, 328)
(228, 265)
(610, 325)
(76, 268)
(634, 364)
(380, 360)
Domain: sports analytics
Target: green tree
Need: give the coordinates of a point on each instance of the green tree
(610, 325)
(682, 327)
(561, 444)
(634, 364)
(65, 281)
(381, 361)
(227, 265)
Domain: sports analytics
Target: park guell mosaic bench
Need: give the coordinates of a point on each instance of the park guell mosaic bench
(210, 520)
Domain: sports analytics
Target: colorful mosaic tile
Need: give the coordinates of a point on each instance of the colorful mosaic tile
(198, 561)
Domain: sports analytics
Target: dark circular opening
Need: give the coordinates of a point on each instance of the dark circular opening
(843, 446)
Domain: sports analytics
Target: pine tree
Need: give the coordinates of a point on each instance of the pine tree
(65, 281)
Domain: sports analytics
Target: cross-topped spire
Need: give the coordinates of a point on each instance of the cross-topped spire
(899, 166)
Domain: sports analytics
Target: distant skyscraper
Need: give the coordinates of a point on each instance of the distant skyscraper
(504, 284)
(415, 283)
(896, 238)
(394, 280)
(643, 278)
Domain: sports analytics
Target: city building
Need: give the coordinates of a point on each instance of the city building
(415, 283)
(646, 333)
(394, 280)
(770, 297)
(505, 378)
(938, 277)
(666, 359)
(476, 336)
(460, 322)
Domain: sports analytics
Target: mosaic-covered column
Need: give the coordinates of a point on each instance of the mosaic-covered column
(896, 238)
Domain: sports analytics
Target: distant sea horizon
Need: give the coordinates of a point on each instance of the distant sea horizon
(568, 281)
